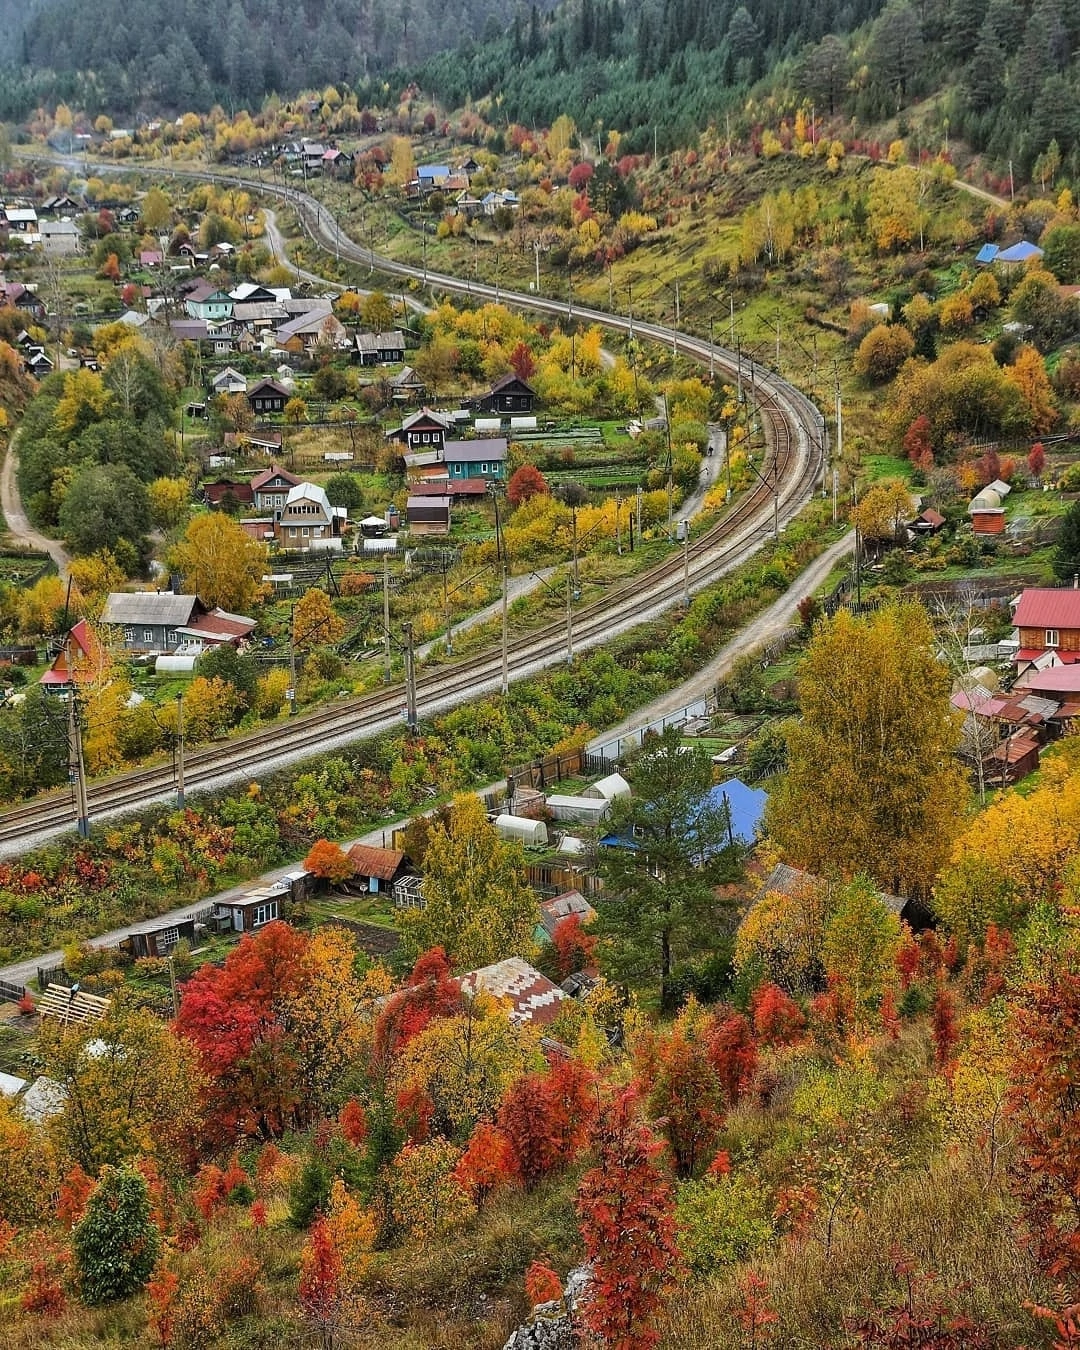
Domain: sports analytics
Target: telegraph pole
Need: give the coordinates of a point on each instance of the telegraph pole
(77, 768)
(411, 718)
(569, 620)
(686, 564)
(180, 751)
(292, 661)
(505, 642)
(386, 614)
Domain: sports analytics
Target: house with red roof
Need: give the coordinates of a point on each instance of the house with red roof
(146, 621)
(79, 660)
(1046, 627)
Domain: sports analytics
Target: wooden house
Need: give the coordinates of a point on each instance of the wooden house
(246, 913)
(508, 395)
(377, 870)
(268, 397)
(375, 349)
(483, 459)
(79, 660)
(428, 515)
(271, 488)
(423, 431)
(1046, 627)
(158, 938)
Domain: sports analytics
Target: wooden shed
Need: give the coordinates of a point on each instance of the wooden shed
(428, 515)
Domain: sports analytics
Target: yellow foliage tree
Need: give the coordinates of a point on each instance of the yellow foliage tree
(861, 942)
(83, 402)
(220, 563)
(872, 781)
(427, 1200)
(1028, 375)
(210, 707)
(40, 605)
(783, 933)
(477, 905)
(94, 578)
(315, 624)
(28, 1174)
(131, 1087)
(466, 1063)
(170, 502)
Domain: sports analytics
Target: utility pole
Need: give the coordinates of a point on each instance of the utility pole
(180, 751)
(386, 615)
(712, 355)
(76, 766)
(670, 485)
(573, 519)
(292, 662)
(618, 523)
(686, 564)
(411, 718)
(446, 605)
(639, 511)
(569, 620)
(505, 636)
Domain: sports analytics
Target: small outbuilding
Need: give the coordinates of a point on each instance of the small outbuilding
(578, 810)
(609, 788)
(531, 833)
(377, 870)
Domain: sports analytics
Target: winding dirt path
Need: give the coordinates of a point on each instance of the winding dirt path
(21, 533)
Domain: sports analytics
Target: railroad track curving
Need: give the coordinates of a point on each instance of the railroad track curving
(795, 435)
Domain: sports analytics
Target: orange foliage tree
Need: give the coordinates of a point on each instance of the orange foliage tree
(329, 862)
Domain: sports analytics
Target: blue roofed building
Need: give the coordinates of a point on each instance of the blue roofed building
(1018, 254)
(986, 254)
(745, 806)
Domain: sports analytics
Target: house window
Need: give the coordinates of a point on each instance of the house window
(292, 531)
(1052, 637)
(148, 635)
(305, 532)
(426, 437)
(168, 939)
(483, 468)
(172, 640)
(264, 914)
(129, 634)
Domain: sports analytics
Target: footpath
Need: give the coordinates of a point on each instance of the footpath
(760, 631)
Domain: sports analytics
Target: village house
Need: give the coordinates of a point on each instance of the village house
(305, 332)
(271, 488)
(428, 514)
(254, 910)
(60, 238)
(531, 999)
(209, 303)
(228, 381)
(308, 521)
(148, 621)
(79, 660)
(570, 904)
(14, 295)
(406, 386)
(377, 870)
(380, 349)
(1046, 628)
(483, 459)
(508, 395)
(268, 397)
(424, 430)
(228, 494)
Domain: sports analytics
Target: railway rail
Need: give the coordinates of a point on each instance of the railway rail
(797, 447)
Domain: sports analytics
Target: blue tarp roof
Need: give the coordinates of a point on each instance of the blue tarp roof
(433, 171)
(987, 253)
(1020, 252)
(747, 807)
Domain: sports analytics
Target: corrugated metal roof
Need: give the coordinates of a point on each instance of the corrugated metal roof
(148, 607)
(370, 861)
(1044, 607)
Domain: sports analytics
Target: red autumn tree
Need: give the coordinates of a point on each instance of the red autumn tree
(320, 1288)
(329, 862)
(542, 1284)
(487, 1163)
(353, 1123)
(755, 1312)
(890, 1018)
(575, 949)
(943, 1026)
(778, 1019)
(75, 1190)
(579, 175)
(110, 269)
(923, 1316)
(522, 362)
(429, 992)
(1036, 460)
(230, 1015)
(917, 444)
(161, 1296)
(686, 1097)
(525, 483)
(626, 1207)
(733, 1054)
(546, 1117)
(908, 958)
(1043, 1073)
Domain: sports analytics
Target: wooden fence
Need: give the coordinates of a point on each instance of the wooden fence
(554, 880)
(551, 769)
(11, 992)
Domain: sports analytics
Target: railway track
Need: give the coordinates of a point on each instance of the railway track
(795, 435)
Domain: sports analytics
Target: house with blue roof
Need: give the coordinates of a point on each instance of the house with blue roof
(986, 254)
(1019, 254)
(745, 807)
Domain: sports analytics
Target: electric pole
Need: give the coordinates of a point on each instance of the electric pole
(76, 766)
(180, 751)
(386, 614)
(411, 718)
(505, 639)
(686, 564)
(569, 620)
